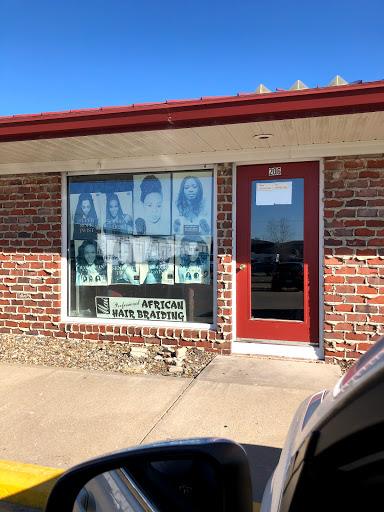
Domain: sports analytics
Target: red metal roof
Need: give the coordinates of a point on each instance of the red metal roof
(206, 111)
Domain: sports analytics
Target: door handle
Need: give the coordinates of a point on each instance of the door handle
(242, 266)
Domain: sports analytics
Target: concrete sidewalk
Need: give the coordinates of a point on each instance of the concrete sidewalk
(59, 417)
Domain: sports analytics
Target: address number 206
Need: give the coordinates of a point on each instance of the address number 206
(275, 171)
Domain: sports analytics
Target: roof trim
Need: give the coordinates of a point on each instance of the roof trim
(325, 101)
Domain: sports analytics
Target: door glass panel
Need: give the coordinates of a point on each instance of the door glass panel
(277, 238)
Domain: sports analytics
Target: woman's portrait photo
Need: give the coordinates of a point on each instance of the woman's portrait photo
(117, 222)
(124, 268)
(152, 204)
(85, 219)
(192, 208)
(91, 269)
(193, 261)
(159, 266)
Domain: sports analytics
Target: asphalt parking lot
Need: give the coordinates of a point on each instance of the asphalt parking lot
(53, 418)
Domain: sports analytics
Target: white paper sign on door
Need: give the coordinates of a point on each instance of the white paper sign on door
(273, 192)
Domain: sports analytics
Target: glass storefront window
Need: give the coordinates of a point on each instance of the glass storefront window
(277, 249)
(140, 246)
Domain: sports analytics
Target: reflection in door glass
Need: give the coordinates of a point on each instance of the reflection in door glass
(277, 237)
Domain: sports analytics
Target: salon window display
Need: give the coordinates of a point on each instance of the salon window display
(151, 204)
(192, 206)
(91, 269)
(85, 218)
(117, 222)
(144, 236)
(193, 260)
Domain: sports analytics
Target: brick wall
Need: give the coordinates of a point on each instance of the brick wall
(224, 251)
(354, 255)
(30, 273)
(30, 248)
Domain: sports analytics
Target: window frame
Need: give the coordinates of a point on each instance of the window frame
(65, 289)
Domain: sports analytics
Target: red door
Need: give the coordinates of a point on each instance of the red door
(278, 252)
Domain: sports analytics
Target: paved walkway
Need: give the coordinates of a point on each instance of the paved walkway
(56, 417)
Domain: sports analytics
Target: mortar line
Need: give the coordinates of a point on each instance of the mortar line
(167, 411)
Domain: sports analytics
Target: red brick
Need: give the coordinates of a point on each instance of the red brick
(376, 242)
(344, 289)
(364, 232)
(355, 280)
(375, 163)
(343, 193)
(365, 252)
(366, 290)
(375, 281)
(87, 336)
(332, 261)
(332, 241)
(343, 251)
(369, 174)
(354, 317)
(343, 307)
(355, 202)
(367, 212)
(366, 192)
(376, 261)
(332, 298)
(355, 336)
(376, 300)
(353, 164)
(364, 346)
(343, 327)
(346, 213)
(367, 271)
(336, 354)
(170, 342)
(345, 270)
(203, 344)
(357, 242)
(183, 343)
(333, 165)
(374, 223)
(136, 339)
(343, 232)
(334, 279)
(379, 319)
(377, 183)
(354, 222)
(333, 203)
(365, 327)
(153, 340)
(366, 308)
(356, 299)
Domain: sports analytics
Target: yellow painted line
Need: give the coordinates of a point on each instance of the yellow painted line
(256, 507)
(26, 484)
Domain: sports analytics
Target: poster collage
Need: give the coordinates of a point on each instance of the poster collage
(142, 229)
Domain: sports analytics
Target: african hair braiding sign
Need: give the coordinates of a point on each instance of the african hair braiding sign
(168, 310)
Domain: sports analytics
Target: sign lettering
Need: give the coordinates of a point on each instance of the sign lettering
(141, 309)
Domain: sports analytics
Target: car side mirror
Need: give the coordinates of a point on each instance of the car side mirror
(195, 475)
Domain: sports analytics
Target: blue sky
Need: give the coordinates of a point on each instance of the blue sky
(61, 55)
